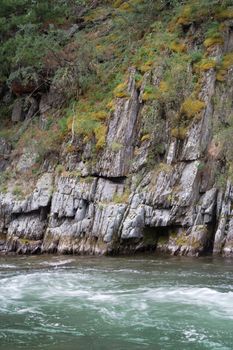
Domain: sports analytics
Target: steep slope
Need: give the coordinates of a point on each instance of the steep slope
(131, 149)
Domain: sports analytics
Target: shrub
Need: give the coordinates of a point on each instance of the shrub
(149, 93)
(100, 115)
(226, 63)
(163, 86)
(121, 91)
(111, 106)
(146, 67)
(196, 56)
(178, 47)
(100, 135)
(192, 108)
(224, 13)
(206, 64)
(179, 133)
(213, 35)
(213, 41)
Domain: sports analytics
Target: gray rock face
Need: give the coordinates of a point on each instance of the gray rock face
(115, 160)
(5, 148)
(119, 203)
(17, 112)
(5, 151)
(26, 160)
(32, 108)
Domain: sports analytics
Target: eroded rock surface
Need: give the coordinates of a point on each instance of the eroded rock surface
(117, 204)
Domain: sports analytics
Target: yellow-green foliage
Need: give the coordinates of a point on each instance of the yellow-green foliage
(100, 135)
(100, 115)
(24, 241)
(199, 10)
(118, 3)
(225, 13)
(227, 62)
(181, 239)
(96, 14)
(89, 122)
(179, 133)
(163, 86)
(111, 106)
(121, 198)
(126, 5)
(146, 67)
(197, 87)
(138, 80)
(145, 137)
(221, 75)
(164, 167)
(209, 42)
(214, 35)
(178, 47)
(192, 107)
(116, 50)
(206, 64)
(148, 96)
(154, 48)
(121, 91)
(149, 93)
(116, 147)
(186, 15)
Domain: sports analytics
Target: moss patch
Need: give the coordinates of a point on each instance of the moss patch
(192, 107)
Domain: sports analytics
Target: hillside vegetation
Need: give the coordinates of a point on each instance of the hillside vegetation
(82, 50)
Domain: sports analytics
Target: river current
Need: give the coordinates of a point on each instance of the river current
(77, 303)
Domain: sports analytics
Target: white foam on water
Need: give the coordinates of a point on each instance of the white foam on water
(193, 335)
(7, 266)
(82, 301)
(90, 287)
(200, 297)
(57, 263)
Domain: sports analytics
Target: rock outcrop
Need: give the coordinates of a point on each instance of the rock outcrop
(116, 203)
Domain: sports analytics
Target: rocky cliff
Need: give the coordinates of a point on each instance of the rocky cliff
(155, 190)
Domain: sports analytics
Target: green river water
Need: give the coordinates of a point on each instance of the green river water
(69, 303)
